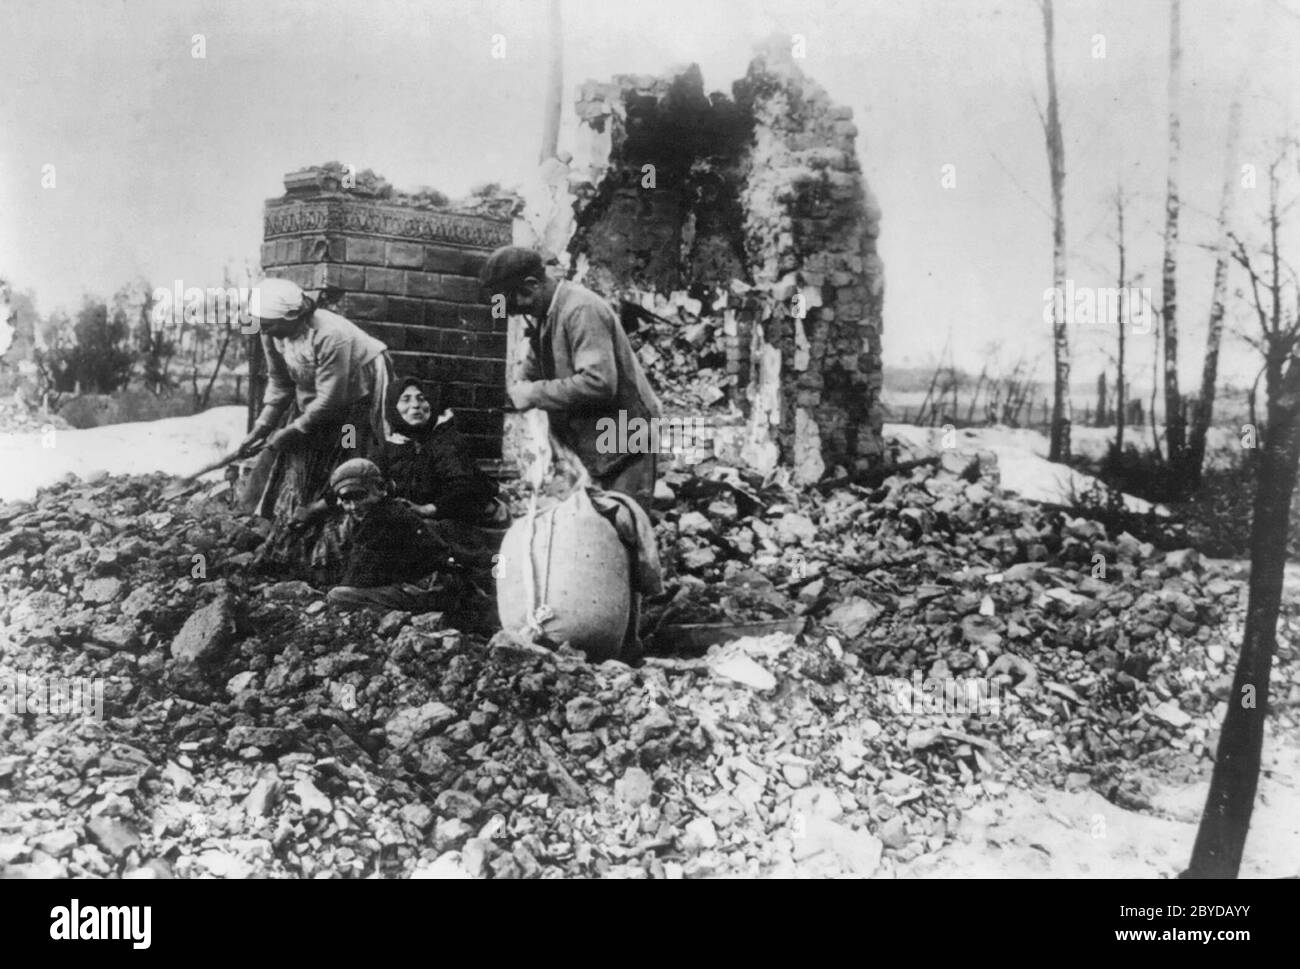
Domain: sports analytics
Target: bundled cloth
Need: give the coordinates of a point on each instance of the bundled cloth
(574, 572)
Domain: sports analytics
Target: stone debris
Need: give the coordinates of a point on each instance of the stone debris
(112, 835)
(733, 665)
(635, 787)
(206, 631)
(356, 744)
(310, 798)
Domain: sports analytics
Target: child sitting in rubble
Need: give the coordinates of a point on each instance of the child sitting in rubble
(391, 551)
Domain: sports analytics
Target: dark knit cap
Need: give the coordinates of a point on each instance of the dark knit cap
(508, 267)
(357, 471)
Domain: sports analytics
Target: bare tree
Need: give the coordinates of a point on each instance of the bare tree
(1210, 370)
(1059, 449)
(1155, 394)
(1175, 429)
(1226, 821)
(1123, 321)
(228, 321)
(975, 396)
(933, 402)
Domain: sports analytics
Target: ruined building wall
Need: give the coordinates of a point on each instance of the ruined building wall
(667, 214)
(405, 270)
(811, 229)
(744, 228)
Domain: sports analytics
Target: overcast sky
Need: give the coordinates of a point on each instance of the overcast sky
(163, 161)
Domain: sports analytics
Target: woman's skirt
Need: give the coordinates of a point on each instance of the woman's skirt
(314, 551)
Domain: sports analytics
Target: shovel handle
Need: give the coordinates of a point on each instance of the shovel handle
(222, 462)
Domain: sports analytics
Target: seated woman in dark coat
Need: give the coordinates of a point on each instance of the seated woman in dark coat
(430, 465)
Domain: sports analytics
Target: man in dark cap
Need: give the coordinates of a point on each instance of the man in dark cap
(580, 368)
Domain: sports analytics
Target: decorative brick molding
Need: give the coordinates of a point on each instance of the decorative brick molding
(405, 274)
(342, 213)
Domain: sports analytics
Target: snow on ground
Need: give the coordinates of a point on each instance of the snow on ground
(182, 445)
(176, 445)
(1022, 459)
(1070, 834)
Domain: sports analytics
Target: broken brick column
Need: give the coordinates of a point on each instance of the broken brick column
(741, 234)
(811, 225)
(407, 275)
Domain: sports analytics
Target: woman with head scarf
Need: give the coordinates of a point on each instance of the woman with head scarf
(429, 465)
(324, 404)
(429, 462)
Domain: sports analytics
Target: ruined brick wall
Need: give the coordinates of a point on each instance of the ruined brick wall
(406, 274)
(758, 227)
(811, 229)
(667, 216)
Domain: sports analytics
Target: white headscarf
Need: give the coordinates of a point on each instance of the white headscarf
(274, 299)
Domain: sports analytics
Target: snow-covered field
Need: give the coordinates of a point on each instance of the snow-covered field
(1022, 459)
(176, 445)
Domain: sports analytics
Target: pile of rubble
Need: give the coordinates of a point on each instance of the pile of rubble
(249, 729)
(1111, 650)
(684, 349)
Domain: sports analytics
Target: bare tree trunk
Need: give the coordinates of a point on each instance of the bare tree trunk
(1252, 396)
(1059, 449)
(216, 368)
(1222, 834)
(554, 87)
(1210, 371)
(934, 383)
(1155, 393)
(979, 385)
(1175, 429)
(1019, 395)
(1280, 347)
(1123, 326)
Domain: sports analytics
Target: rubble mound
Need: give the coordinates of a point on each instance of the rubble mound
(246, 728)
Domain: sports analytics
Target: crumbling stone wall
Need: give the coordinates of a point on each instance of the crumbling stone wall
(811, 231)
(667, 215)
(404, 268)
(748, 215)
